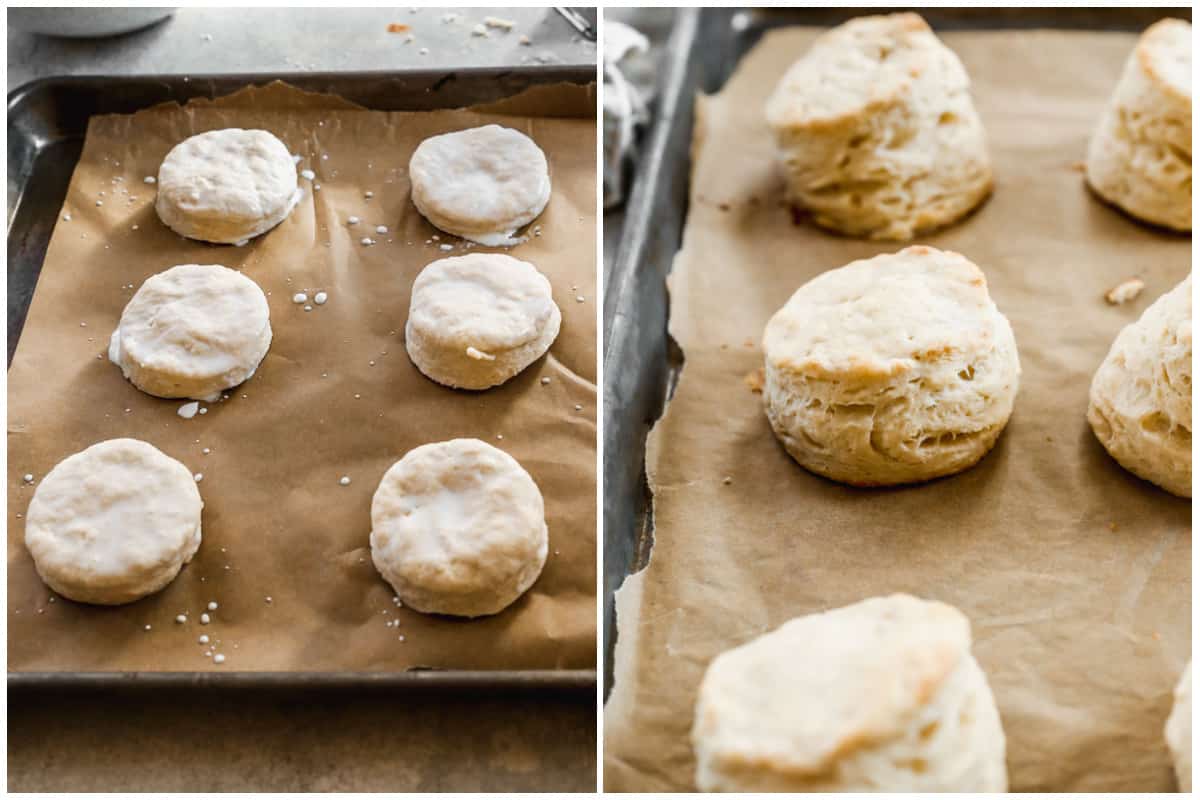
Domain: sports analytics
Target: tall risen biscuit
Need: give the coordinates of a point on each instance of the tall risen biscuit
(1140, 157)
(882, 695)
(113, 523)
(894, 369)
(876, 132)
(226, 186)
(1141, 397)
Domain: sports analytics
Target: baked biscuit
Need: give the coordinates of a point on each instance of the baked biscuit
(895, 369)
(1140, 156)
(1178, 732)
(876, 133)
(1141, 397)
(882, 695)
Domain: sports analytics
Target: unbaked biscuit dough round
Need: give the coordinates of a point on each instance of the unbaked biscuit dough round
(113, 523)
(192, 331)
(1141, 398)
(876, 133)
(1140, 156)
(882, 695)
(458, 527)
(1178, 731)
(477, 320)
(482, 184)
(890, 370)
(226, 186)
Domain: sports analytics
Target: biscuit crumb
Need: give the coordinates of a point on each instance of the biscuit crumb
(1078, 166)
(397, 27)
(755, 379)
(1124, 291)
(727, 480)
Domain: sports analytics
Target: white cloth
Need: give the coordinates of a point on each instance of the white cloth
(624, 107)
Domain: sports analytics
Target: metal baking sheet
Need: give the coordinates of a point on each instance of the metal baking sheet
(47, 121)
(641, 361)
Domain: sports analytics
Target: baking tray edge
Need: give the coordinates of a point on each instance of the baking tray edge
(566, 680)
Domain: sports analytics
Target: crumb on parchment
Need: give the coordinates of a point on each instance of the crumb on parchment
(1124, 291)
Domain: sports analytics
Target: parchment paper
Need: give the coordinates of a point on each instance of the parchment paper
(336, 395)
(1075, 575)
